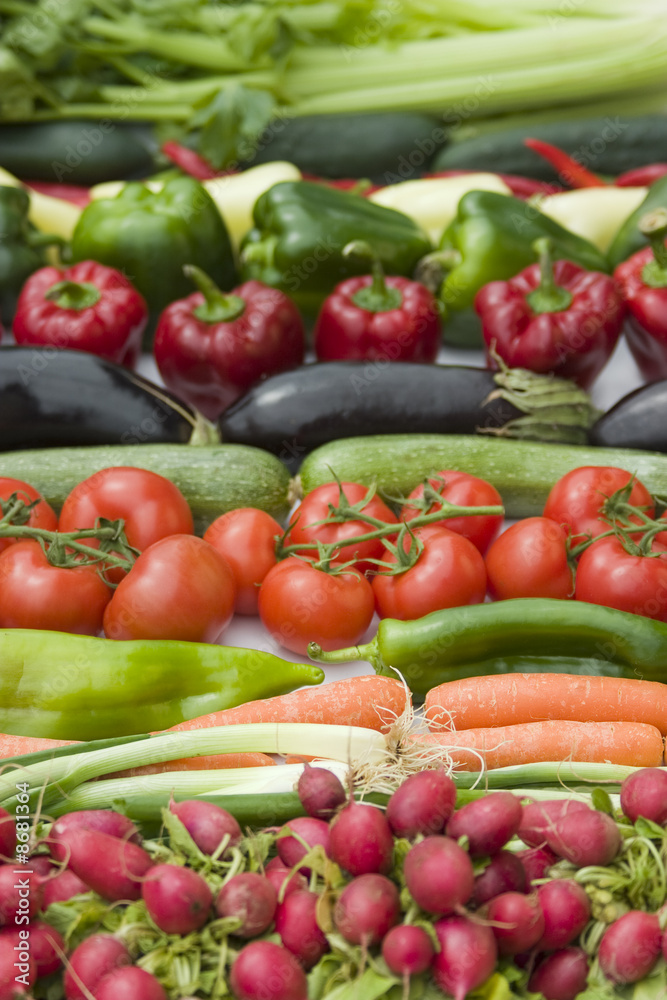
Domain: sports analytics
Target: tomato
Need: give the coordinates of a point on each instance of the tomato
(575, 500)
(179, 588)
(529, 559)
(315, 507)
(41, 516)
(609, 575)
(448, 573)
(35, 594)
(299, 604)
(466, 491)
(247, 539)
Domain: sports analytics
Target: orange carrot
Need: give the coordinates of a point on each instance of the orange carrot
(367, 701)
(211, 762)
(14, 746)
(633, 744)
(508, 699)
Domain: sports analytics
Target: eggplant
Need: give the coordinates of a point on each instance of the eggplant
(296, 411)
(51, 397)
(638, 420)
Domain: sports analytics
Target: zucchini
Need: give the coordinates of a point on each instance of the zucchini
(213, 478)
(523, 472)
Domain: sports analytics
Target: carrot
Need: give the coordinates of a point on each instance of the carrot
(508, 699)
(15, 746)
(368, 702)
(207, 763)
(633, 744)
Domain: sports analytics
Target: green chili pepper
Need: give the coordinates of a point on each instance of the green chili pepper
(516, 636)
(73, 687)
(629, 238)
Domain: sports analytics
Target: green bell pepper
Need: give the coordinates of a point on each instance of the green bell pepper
(300, 231)
(150, 235)
(21, 248)
(74, 687)
(491, 239)
(629, 239)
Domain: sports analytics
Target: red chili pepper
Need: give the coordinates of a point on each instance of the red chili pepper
(642, 176)
(210, 347)
(552, 318)
(67, 192)
(86, 307)
(571, 173)
(374, 317)
(521, 187)
(642, 279)
(189, 161)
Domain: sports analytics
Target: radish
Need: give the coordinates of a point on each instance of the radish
(585, 838)
(18, 970)
(407, 950)
(20, 895)
(536, 862)
(283, 880)
(320, 792)
(103, 820)
(566, 910)
(129, 983)
(439, 875)
(366, 908)
(7, 835)
(177, 899)
(467, 955)
(60, 887)
(504, 873)
(360, 840)
(488, 823)
(562, 975)
(207, 824)
(630, 947)
(312, 831)
(46, 947)
(266, 971)
(94, 958)
(296, 922)
(538, 817)
(252, 899)
(644, 793)
(113, 868)
(422, 804)
(524, 919)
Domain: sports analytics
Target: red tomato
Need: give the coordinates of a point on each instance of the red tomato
(41, 516)
(466, 491)
(529, 559)
(609, 575)
(575, 500)
(315, 507)
(247, 539)
(179, 588)
(448, 574)
(299, 604)
(35, 594)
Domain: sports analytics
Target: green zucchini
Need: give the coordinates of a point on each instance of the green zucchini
(213, 479)
(523, 472)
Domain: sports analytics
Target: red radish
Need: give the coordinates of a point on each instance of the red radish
(177, 899)
(320, 792)
(366, 908)
(562, 975)
(46, 947)
(266, 971)
(308, 829)
(504, 873)
(207, 824)
(536, 862)
(129, 983)
(7, 836)
(421, 804)
(250, 897)
(103, 820)
(113, 868)
(94, 958)
(585, 838)
(60, 887)
(283, 880)
(644, 793)
(538, 817)
(407, 950)
(488, 823)
(360, 840)
(439, 875)
(566, 910)
(26, 970)
(630, 947)
(523, 918)
(467, 955)
(296, 922)
(20, 895)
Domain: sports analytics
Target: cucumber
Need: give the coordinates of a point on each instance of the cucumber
(523, 472)
(213, 479)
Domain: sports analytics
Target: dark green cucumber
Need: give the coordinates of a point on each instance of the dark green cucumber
(213, 479)
(523, 472)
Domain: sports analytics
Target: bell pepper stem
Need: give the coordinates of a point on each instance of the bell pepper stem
(548, 297)
(216, 307)
(376, 297)
(74, 295)
(654, 227)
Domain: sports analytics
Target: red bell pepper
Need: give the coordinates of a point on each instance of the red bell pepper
(374, 317)
(210, 347)
(86, 307)
(555, 318)
(642, 279)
